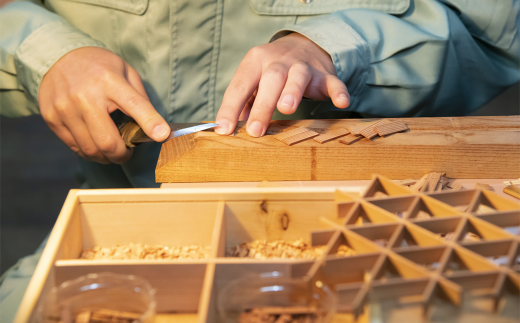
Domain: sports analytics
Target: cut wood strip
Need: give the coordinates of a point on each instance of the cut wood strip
(390, 128)
(287, 134)
(300, 137)
(456, 186)
(350, 139)
(331, 135)
(513, 191)
(356, 128)
(431, 182)
(483, 186)
(370, 131)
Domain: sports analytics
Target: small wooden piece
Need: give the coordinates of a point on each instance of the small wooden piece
(456, 186)
(514, 191)
(390, 128)
(431, 182)
(350, 139)
(331, 135)
(295, 136)
(370, 131)
(483, 186)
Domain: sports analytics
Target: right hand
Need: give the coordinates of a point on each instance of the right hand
(80, 91)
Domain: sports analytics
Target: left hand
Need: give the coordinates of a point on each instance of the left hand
(279, 74)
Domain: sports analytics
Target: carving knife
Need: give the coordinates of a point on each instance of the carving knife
(133, 134)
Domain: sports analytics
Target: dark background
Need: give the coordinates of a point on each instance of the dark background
(37, 170)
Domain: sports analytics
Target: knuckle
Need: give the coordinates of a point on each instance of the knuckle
(106, 145)
(254, 52)
(239, 86)
(275, 70)
(91, 152)
(302, 67)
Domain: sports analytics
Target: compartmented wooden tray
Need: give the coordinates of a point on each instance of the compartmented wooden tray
(411, 257)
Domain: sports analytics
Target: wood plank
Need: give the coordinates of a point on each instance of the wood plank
(462, 147)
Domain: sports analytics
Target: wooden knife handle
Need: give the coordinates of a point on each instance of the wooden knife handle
(128, 132)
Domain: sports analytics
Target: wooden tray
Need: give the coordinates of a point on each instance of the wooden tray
(463, 147)
(401, 259)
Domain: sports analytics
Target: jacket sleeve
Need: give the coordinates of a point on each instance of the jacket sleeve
(439, 58)
(32, 39)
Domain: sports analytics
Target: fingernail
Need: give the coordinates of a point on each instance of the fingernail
(255, 129)
(345, 97)
(160, 132)
(288, 100)
(223, 127)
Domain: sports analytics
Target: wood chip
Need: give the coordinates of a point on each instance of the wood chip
(423, 215)
(331, 135)
(508, 183)
(483, 209)
(140, 251)
(350, 139)
(390, 128)
(470, 236)
(483, 186)
(370, 131)
(420, 183)
(262, 249)
(295, 136)
(379, 194)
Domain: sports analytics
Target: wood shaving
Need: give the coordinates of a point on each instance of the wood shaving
(390, 128)
(344, 250)
(350, 139)
(295, 136)
(331, 135)
(483, 186)
(261, 249)
(140, 251)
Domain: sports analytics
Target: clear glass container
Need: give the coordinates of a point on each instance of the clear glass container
(273, 294)
(106, 295)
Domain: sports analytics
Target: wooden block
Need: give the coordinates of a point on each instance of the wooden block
(483, 186)
(295, 136)
(350, 139)
(428, 147)
(370, 131)
(331, 135)
(390, 128)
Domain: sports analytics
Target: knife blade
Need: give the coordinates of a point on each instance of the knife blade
(133, 134)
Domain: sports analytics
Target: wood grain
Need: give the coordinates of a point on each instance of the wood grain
(463, 147)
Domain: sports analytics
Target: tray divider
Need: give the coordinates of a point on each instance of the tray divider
(218, 241)
(207, 311)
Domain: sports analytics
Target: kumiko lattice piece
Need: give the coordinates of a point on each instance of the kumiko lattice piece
(370, 131)
(356, 128)
(295, 136)
(350, 139)
(388, 245)
(431, 182)
(287, 134)
(331, 135)
(390, 128)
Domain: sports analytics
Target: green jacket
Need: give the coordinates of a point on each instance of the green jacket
(397, 57)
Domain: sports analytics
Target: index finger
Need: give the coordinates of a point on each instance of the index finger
(140, 109)
(244, 83)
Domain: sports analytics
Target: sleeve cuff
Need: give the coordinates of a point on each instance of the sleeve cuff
(44, 47)
(350, 53)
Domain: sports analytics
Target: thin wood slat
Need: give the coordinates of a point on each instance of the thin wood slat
(390, 128)
(331, 135)
(287, 134)
(513, 191)
(370, 131)
(350, 139)
(295, 136)
(431, 182)
(483, 186)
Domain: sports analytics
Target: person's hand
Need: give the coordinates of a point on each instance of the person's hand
(278, 74)
(80, 91)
